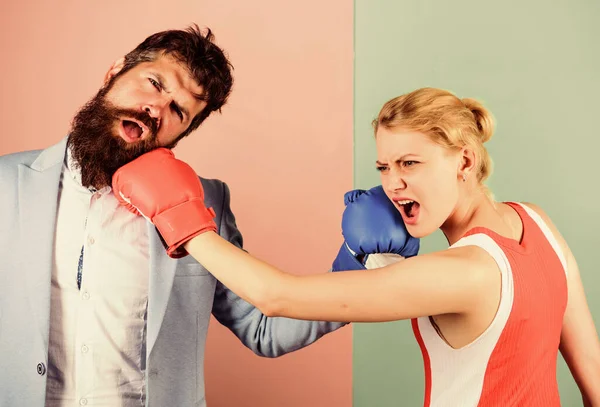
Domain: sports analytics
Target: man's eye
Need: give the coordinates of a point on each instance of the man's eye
(409, 163)
(381, 168)
(154, 83)
(178, 111)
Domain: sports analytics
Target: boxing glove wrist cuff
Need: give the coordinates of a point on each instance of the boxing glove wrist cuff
(183, 222)
(345, 260)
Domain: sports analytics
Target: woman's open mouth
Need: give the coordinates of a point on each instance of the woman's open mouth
(409, 210)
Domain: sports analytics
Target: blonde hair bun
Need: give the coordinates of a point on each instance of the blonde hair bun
(483, 118)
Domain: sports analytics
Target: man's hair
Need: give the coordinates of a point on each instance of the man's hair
(204, 60)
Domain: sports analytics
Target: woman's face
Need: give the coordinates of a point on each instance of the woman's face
(419, 176)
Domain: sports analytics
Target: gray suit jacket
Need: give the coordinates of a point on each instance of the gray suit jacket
(182, 295)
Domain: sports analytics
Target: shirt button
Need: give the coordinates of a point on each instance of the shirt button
(84, 349)
(41, 369)
(83, 402)
(86, 295)
(91, 240)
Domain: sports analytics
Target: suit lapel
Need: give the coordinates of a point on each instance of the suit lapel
(37, 206)
(162, 273)
(38, 200)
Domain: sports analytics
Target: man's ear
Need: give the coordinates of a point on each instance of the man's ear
(114, 69)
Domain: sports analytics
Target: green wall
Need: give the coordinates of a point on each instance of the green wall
(536, 66)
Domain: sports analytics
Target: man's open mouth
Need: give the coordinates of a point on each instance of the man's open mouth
(132, 130)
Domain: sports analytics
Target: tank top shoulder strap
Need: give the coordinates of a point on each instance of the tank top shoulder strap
(527, 213)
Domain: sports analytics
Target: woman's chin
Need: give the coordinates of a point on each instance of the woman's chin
(419, 231)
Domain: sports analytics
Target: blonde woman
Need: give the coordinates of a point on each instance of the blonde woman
(490, 313)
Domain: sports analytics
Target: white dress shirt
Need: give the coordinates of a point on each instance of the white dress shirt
(97, 333)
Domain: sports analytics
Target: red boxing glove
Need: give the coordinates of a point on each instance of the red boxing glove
(168, 192)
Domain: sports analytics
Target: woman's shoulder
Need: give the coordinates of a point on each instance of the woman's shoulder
(530, 206)
(548, 222)
(468, 254)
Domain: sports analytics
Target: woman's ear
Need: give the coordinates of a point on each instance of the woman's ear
(467, 162)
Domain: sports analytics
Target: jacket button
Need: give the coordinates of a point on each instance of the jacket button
(41, 369)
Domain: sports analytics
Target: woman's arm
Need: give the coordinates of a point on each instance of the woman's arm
(579, 343)
(451, 281)
(168, 192)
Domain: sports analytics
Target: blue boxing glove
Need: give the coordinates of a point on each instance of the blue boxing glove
(372, 228)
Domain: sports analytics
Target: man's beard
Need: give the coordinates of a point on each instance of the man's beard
(96, 146)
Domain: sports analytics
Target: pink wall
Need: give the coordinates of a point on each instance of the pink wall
(283, 144)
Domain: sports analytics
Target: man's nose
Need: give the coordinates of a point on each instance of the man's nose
(156, 107)
(152, 110)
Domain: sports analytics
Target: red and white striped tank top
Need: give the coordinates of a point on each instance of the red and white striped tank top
(512, 363)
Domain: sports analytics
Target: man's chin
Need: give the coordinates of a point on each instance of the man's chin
(141, 145)
(128, 145)
(99, 162)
